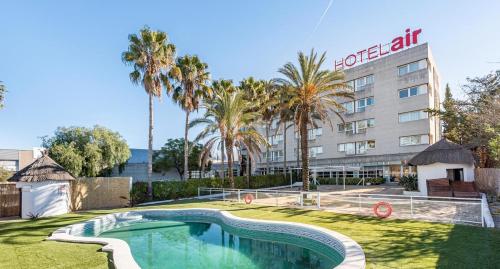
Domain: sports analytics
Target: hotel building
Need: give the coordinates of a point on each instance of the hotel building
(384, 126)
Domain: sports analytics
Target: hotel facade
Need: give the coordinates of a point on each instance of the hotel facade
(385, 125)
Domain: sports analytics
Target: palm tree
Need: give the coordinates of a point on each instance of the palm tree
(255, 92)
(285, 115)
(2, 94)
(268, 111)
(151, 56)
(313, 94)
(190, 76)
(230, 121)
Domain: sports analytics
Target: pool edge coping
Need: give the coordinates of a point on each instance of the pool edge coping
(122, 257)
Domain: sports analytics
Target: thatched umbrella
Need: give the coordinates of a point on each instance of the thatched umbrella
(443, 151)
(42, 169)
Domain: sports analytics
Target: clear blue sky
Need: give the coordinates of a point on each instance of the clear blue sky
(61, 59)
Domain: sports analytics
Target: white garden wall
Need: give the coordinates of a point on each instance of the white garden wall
(438, 170)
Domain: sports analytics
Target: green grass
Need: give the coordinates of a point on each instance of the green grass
(387, 243)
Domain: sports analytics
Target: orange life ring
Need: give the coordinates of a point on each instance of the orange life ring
(248, 198)
(385, 214)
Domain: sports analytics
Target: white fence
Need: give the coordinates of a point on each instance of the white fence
(440, 209)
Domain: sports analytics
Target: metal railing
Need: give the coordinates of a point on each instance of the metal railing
(440, 209)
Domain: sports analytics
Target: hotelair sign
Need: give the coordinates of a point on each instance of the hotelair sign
(376, 51)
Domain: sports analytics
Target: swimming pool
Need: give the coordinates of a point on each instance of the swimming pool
(208, 238)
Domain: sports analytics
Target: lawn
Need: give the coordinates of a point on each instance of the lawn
(387, 243)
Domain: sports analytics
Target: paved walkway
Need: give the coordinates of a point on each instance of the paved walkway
(495, 213)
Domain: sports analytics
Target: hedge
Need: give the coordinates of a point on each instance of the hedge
(166, 190)
(350, 181)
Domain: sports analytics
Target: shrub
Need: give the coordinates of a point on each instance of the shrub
(166, 190)
(409, 183)
(351, 181)
(4, 174)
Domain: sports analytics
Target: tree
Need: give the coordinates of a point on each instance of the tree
(171, 155)
(473, 121)
(230, 121)
(314, 93)
(151, 56)
(2, 94)
(285, 115)
(4, 174)
(255, 92)
(190, 76)
(451, 117)
(268, 111)
(87, 152)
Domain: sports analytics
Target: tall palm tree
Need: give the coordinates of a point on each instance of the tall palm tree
(314, 93)
(285, 115)
(151, 56)
(190, 78)
(230, 121)
(2, 94)
(255, 92)
(269, 111)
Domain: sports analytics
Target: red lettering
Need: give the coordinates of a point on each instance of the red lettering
(415, 35)
(410, 37)
(352, 62)
(372, 52)
(407, 37)
(339, 64)
(381, 51)
(397, 43)
(360, 53)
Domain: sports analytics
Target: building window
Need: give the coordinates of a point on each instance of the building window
(413, 140)
(370, 144)
(275, 139)
(359, 147)
(361, 83)
(311, 133)
(314, 151)
(413, 91)
(412, 116)
(356, 127)
(348, 107)
(361, 104)
(274, 155)
(341, 127)
(371, 122)
(412, 67)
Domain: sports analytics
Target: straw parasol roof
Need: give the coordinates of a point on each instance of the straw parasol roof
(443, 151)
(42, 169)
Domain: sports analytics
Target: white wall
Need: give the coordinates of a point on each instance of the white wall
(47, 198)
(438, 170)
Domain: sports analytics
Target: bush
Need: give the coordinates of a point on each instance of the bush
(409, 183)
(4, 174)
(167, 190)
(351, 181)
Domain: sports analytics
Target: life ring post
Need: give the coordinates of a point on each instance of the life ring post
(379, 213)
(248, 198)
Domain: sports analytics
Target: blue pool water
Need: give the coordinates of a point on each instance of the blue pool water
(188, 244)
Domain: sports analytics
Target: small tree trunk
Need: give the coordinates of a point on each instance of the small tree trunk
(248, 169)
(305, 151)
(298, 147)
(229, 150)
(284, 149)
(186, 147)
(150, 149)
(267, 149)
(222, 159)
